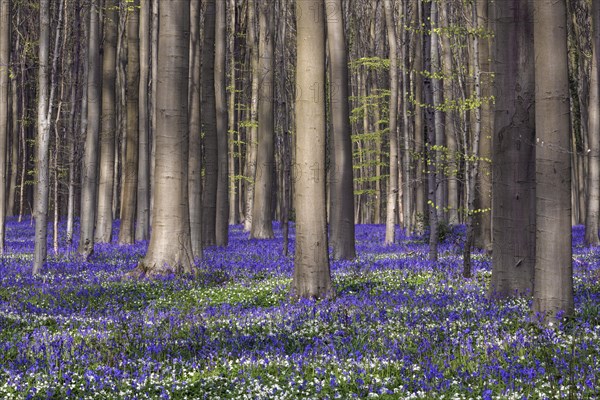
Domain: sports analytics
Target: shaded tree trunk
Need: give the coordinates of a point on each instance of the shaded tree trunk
(90, 163)
(195, 126)
(4, 109)
(553, 286)
(142, 224)
(311, 278)
(222, 199)
(513, 166)
(341, 219)
(262, 227)
(209, 128)
(170, 249)
(593, 176)
(131, 142)
(104, 219)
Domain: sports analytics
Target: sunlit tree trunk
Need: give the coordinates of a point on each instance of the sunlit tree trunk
(341, 218)
(392, 186)
(311, 277)
(262, 227)
(130, 167)
(252, 136)
(142, 225)
(43, 142)
(553, 286)
(513, 164)
(170, 249)
(104, 218)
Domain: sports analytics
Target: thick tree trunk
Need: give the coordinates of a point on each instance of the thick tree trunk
(252, 137)
(311, 264)
(553, 286)
(419, 149)
(262, 227)
(90, 163)
(195, 141)
(450, 115)
(222, 206)
(142, 224)
(4, 109)
(341, 219)
(132, 135)
(593, 176)
(43, 142)
(513, 165)
(209, 128)
(440, 135)
(392, 186)
(170, 249)
(104, 219)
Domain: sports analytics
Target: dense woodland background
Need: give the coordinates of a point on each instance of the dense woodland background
(423, 114)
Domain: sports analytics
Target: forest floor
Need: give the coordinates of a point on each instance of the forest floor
(398, 327)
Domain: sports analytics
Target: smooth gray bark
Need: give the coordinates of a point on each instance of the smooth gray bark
(104, 218)
(341, 218)
(553, 285)
(170, 249)
(262, 216)
(4, 110)
(311, 278)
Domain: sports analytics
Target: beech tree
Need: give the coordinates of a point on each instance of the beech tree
(311, 277)
(4, 111)
(553, 286)
(90, 162)
(513, 162)
(170, 248)
(130, 167)
(341, 195)
(104, 217)
(262, 227)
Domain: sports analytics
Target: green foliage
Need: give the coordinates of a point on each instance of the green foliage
(370, 63)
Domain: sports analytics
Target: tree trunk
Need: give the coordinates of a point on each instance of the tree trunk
(43, 141)
(311, 277)
(14, 149)
(440, 135)
(593, 176)
(4, 112)
(450, 115)
(104, 219)
(262, 227)
(209, 128)
(553, 286)
(222, 199)
(392, 186)
(341, 219)
(252, 138)
(142, 225)
(88, 192)
(484, 198)
(195, 141)
(234, 215)
(430, 126)
(513, 165)
(132, 138)
(170, 249)
(420, 200)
